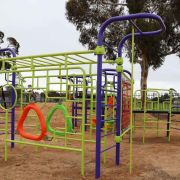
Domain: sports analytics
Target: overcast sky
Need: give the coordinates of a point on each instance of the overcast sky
(41, 27)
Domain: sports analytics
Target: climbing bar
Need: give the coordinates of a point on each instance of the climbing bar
(108, 148)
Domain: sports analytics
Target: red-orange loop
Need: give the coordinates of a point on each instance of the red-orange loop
(41, 120)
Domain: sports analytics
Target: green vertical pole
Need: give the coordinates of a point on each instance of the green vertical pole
(91, 100)
(114, 111)
(83, 127)
(131, 113)
(6, 136)
(170, 114)
(47, 84)
(144, 115)
(158, 114)
(106, 122)
(66, 58)
(60, 79)
(33, 73)
(22, 97)
(67, 95)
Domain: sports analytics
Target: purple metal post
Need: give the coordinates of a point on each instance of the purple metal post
(76, 104)
(118, 117)
(13, 97)
(99, 77)
(13, 111)
(86, 104)
(98, 115)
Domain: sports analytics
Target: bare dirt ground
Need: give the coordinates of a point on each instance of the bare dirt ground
(157, 159)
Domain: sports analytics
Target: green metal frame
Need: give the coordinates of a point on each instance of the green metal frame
(35, 68)
(46, 67)
(165, 107)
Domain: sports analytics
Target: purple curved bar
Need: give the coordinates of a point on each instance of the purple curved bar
(99, 111)
(113, 70)
(131, 17)
(8, 50)
(127, 72)
(106, 72)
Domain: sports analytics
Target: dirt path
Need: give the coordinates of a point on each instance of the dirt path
(157, 159)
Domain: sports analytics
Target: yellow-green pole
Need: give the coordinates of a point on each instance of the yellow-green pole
(131, 113)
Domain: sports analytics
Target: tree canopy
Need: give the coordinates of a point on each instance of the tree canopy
(175, 5)
(88, 15)
(12, 44)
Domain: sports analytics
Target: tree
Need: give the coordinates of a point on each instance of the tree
(12, 44)
(175, 5)
(152, 52)
(149, 52)
(1, 37)
(88, 16)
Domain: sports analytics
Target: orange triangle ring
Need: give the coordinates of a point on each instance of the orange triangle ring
(42, 121)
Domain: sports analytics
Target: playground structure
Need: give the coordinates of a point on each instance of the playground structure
(101, 102)
(77, 89)
(162, 105)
